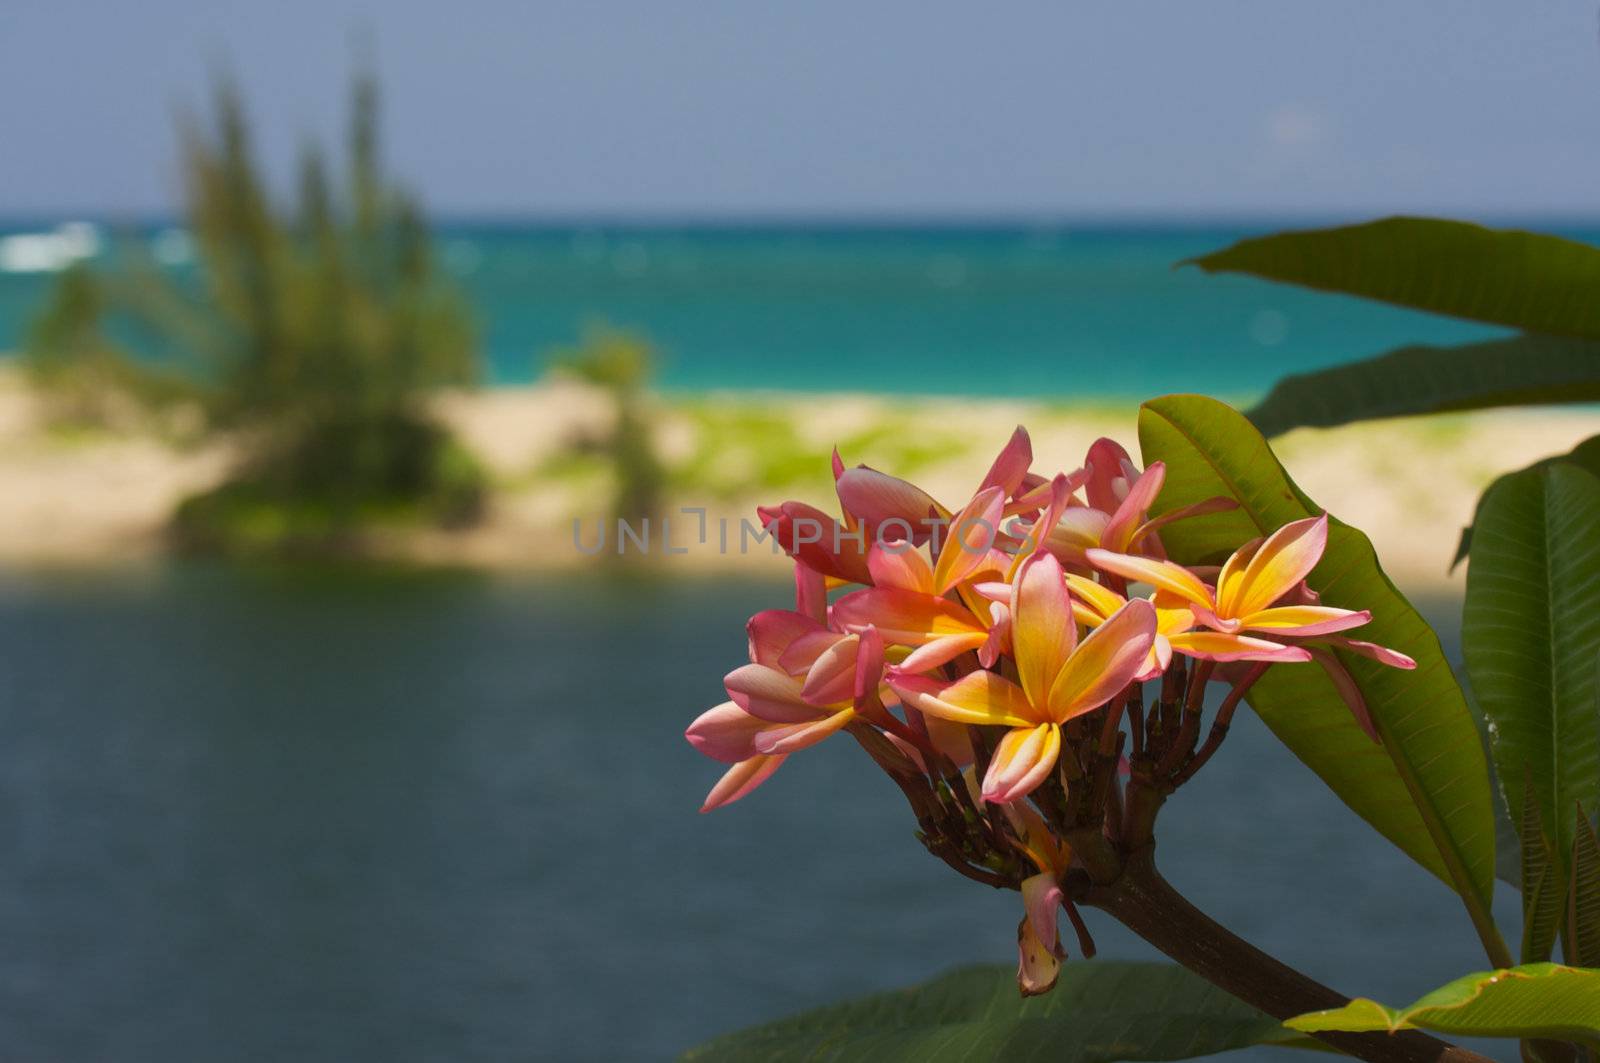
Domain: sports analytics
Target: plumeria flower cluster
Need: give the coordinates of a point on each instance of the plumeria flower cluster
(994, 659)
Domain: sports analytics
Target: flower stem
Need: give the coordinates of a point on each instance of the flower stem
(1146, 903)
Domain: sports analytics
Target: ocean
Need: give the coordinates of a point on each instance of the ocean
(1054, 312)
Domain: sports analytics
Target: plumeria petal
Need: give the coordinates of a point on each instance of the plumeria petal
(812, 537)
(831, 678)
(1162, 575)
(1371, 650)
(803, 652)
(1011, 465)
(768, 694)
(965, 547)
(931, 655)
(1349, 690)
(1230, 578)
(1037, 534)
(994, 590)
(1092, 603)
(1105, 662)
(1039, 493)
(1041, 900)
(999, 641)
(1038, 966)
(1076, 531)
(1043, 632)
(1197, 509)
(967, 593)
(1111, 472)
(977, 697)
(1217, 646)
(1305, 620)
(726, 733)
(899, 566)
(740, 779)
(1047, 852)
(904, 617)
(810, 593)
(878, 499)
(869, 666)
(1021, 761)
(1120, 530)
(773, 631)
(796, 736)
(1286, 558)
(1160, 657)
(1171, 619)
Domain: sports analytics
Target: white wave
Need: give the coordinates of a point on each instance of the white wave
(49, 252)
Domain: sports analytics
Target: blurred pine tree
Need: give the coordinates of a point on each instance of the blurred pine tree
(315, 333)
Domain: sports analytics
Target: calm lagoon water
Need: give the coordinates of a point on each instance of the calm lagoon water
(261, 815)
(1056, 311)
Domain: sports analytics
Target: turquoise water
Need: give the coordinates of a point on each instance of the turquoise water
(267, 815)
(1057, 312)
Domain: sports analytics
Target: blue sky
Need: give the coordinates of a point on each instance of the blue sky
(749, 108)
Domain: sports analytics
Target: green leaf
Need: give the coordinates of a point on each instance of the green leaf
(1521, 371)
(1537, 1000)
(1522, 280)
(1544, 892)
(1585, 455)
(1426, 788)
(1583, 945)
(1099, 1012)
(1531, 635)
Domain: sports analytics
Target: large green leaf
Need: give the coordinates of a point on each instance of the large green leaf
(1585, 455)
(1527, 281)
(1539, 1000)
(1521, 371)
(1426, 787)
(1099, 1012)
(1531, 635)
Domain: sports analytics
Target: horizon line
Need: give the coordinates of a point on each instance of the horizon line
(847, 220)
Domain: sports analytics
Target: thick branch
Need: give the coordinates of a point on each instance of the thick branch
(1147, 904)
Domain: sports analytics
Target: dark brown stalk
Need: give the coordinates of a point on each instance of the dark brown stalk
(1189, 729)
(1146, 903)
(1219, 726)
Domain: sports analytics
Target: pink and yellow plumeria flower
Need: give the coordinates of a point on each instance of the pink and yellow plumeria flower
(1093, 604)
(1060, 678)
(910, 601)
(803, 684)
(1261, 589)
(1252, 580)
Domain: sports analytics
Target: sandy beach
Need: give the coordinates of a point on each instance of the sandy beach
(103, 498)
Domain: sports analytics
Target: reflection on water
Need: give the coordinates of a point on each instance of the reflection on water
(246, 815)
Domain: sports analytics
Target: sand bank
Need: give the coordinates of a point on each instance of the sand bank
(99, 498)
